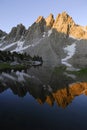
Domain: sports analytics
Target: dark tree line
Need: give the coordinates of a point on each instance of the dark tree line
(37, 58)
(7, 56)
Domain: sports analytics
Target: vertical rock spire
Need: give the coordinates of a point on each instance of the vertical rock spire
(50, 20)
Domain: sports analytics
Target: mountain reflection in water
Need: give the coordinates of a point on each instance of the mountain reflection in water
(60, 91)
(43, 98)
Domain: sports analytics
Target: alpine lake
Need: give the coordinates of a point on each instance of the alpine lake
(43, 98)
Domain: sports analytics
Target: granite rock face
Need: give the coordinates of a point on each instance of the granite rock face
(2, 33)
(36, 30)
(63, 23)
(16, 33)
(50, 20)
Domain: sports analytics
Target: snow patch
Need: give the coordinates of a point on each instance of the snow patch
(44, 34)
(49, 32)
(20, 47)
(21, 76)
(8, 46)
(2, 38)
(70, 50)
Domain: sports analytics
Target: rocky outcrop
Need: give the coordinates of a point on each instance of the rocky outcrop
(63, 23)
(78, 32)
(2, 33)
(50, 20)
(36, 30)
(40, 19)
(16, 33)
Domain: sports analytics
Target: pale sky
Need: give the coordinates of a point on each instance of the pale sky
(13, 12)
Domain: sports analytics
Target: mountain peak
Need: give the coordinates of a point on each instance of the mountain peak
(63, 23)
(50, 20)
(64, 13)
(39, 19)
(16, 33)
(64, 17)
(2, 33)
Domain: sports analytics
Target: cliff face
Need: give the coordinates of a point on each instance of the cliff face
(64, 23)
(50, 20)
(16, 33)
(2, 34)
(36, 30)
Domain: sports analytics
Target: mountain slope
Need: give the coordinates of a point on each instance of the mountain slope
(50, 38)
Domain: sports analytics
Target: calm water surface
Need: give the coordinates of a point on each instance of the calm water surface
(42, 99)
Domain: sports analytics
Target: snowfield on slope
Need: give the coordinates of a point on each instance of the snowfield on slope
(20, 46)
(70, 50)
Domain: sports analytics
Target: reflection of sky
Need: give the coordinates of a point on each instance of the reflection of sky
(26, 112)
(27, 11)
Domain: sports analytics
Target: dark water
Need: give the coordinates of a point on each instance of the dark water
(42, 99)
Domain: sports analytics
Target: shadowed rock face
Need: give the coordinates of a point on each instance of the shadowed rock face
(36, 30)
(16, 33)
(2, 33)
